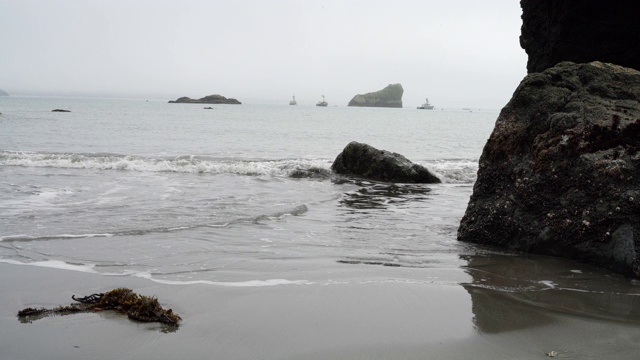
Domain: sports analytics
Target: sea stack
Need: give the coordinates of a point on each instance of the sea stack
(390, 96)
(560, 174)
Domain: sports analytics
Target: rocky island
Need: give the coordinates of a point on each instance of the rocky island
(390, 96)
(3, 93)
(211, 99)
(560, 173)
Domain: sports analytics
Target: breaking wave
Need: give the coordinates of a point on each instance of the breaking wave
(455, 171)
(297, 168)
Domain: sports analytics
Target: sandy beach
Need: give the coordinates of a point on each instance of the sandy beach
(234, 216)
(394, 321)
(260, 265)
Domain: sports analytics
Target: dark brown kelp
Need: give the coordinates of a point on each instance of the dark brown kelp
(125, 301)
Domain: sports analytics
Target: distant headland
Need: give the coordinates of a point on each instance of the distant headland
(211, 99)
(391, 97)
(3, 93)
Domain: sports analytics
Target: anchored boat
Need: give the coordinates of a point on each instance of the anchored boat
(426, 105)
(322, 103)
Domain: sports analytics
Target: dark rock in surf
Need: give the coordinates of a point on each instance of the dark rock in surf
(60, 110)
(365, 161)
(580, 31)
(211, 99)
(310, 173)
(391, 97)
(560, 174)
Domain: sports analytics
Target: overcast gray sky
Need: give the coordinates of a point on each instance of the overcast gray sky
(459, 53)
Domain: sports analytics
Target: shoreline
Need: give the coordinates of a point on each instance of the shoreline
(379, 321)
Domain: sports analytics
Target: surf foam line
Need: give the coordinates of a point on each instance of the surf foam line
(55, 264)
(450, 170)
(22, 237)
(61, 265)
(297, 168)
(248, 283)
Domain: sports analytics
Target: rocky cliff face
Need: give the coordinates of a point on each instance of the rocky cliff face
(560, 174)
(580, 31)
(391, 96)
(211, 99)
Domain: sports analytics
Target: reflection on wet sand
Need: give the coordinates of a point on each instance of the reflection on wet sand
(515, 291)
(509, 291)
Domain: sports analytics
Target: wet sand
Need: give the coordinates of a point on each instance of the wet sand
(392, 320)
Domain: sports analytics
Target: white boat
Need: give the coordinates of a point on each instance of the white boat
(322, 103)
(426, 105)
(293, 101)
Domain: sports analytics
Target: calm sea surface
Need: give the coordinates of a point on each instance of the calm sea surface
(242, 195)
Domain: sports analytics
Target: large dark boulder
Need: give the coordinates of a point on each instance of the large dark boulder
(580, 31)
(390, 96)
(210, 99)
(365, 161)
(560, 174)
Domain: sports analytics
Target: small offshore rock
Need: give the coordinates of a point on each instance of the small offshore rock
(365, 161)
(60, 110)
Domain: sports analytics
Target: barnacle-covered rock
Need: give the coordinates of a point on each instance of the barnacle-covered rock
(560, 174)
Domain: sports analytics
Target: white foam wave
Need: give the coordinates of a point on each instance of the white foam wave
(248, 283)
(55, 264)
(458, 171)
(22, 237)
(90, 268)
(180, 164)
(548, 283)
(451, 171)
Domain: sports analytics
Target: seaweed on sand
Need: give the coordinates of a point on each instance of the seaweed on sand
(125, 301)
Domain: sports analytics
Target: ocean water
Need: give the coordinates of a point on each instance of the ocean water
(243, 196)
